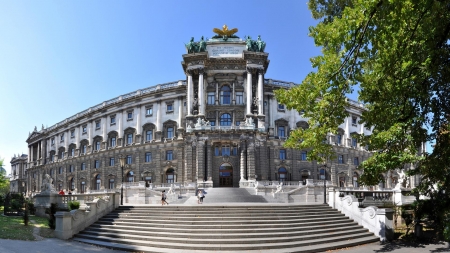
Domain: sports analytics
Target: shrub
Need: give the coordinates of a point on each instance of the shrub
(73, 205)
(51, 212)
(31, 207)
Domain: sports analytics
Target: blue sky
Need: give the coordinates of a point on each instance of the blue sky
(58, 58)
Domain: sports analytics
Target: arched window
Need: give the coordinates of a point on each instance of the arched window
(225, 119)
(341, 177)
(72, 150)
(225, 95)
(170, 176)
(305, 175)
(71, 184)
(82, 187)
(98, 182)
(282, 174)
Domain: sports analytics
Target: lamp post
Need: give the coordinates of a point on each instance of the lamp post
(325, 184)
(122, 163)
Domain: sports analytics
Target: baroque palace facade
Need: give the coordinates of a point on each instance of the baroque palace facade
(219, 127)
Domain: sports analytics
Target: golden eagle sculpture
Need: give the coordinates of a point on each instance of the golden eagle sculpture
(225, 31)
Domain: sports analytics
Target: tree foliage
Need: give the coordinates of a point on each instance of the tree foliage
(396, 53)
(4, 181)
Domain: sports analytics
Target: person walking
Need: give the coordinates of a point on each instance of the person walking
(163, 198)
(200, 196)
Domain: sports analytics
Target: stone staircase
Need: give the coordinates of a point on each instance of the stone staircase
(234, 227)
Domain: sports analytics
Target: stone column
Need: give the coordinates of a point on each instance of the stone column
(251, 161)
(201, 94)
(190, 87)
(158, 133)
(138, 125)
(242, 176)
(120, 122)
(260, 93)
(209, 169)
(31, 153)
(234, 94)
(217, 94)
(180, 112)
(188, 162)
(104, 133)
(200, 167)
(249, 92)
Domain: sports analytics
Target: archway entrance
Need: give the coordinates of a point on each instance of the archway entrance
(226, 175)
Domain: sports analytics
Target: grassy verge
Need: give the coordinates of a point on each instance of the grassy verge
(14, 228)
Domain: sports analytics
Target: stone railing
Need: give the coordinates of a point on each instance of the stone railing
(70, 223)
(376, 220)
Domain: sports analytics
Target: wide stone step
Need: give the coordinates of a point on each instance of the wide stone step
(229, 213)
(236, 234)
(304, 249)
(213, 245)
(224, 219)
(225, 224)
(241, 229)
(212, 217)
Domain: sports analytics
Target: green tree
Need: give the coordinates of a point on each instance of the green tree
(4, 181)
(396, 53)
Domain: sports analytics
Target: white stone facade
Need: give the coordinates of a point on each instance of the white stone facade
(221, 126)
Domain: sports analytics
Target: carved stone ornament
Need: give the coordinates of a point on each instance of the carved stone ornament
(226, 158)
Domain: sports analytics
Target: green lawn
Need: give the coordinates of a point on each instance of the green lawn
(14, 228)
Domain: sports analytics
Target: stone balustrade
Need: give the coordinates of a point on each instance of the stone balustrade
(70, 223)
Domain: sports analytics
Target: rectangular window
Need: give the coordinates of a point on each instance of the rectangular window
(129, 159)
(212, 122)
(239, 98)
(169, 107)
(62, 137)
(170, 132)
(282, 154)
(149, 135)
(280, 107)
(148, 157)
(83, 187)
(129, 139)
(149, 111)
(113, 120)
(354, 142)
(83, 166)
(111, 184)
(235, 151)
(111, 161)
(211, 98)
(84, 129)
(97, 164)
(354, 121)
(169, 155)
(71, 168)
(129, 115)
(60, 171)
(113, 141)
(72, 133)
(341, 159)
(339, 139)
(216, 151)
(225, 150)
(355, 161)
(53, 141)
(238, 123)
(97, 124)
(303, 156)
(83, 149)
(97, 145)
(281, 132)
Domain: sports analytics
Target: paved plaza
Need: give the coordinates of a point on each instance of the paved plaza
(56, 245)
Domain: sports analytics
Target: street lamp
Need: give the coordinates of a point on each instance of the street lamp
(122, 163)
(325, 184)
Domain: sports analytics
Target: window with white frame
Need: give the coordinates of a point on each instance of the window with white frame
(354, 142)
(355, 161)
(148, 157)
(84, 129)
(170, 132)
(60, 170)
(129, 159)
(354, 121)
(98, 182)
(112, 120)
(225, 95)
(340, 159)
(83, 166)
(225, 119)
(148, 135)
(97, 124)
(71, 168)
(112, 141)
(281, 131)
(97, 145)
(61, 136)
(129, 115)
(239, 98)
(148, 111)
(282, 154)
(303, 156)
(225, 150)
(169, 107)
(96, 164)
(111, 183)
(216, 151)
(211, 98)
(111, 161)
(169, 155)
(72, 133)
(129, 139)
(281, 107)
